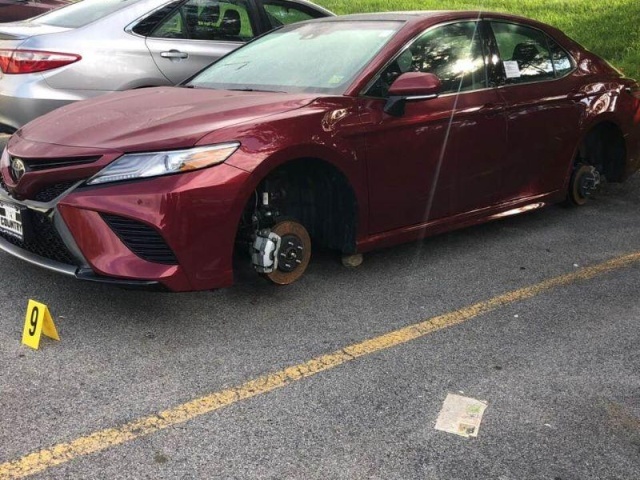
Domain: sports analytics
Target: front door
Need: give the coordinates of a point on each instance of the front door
(444, 156)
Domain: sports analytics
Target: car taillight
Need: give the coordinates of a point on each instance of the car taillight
(32, 61)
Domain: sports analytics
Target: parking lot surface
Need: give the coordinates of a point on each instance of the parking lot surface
(558, 367)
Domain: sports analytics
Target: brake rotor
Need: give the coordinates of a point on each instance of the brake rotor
(294, 253)
(584, 183)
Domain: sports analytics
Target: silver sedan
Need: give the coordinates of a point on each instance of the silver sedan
(99, 46)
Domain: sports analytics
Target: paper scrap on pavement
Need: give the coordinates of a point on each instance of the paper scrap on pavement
(461, 415)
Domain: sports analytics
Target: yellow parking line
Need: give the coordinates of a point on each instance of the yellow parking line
(103, 439)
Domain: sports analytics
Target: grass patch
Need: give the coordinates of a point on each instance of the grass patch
(610, 29)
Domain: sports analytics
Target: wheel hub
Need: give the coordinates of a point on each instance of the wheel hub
(585, 181)
(291, 253)
(589, 182)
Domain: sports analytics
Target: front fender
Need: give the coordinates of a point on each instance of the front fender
(326, 130)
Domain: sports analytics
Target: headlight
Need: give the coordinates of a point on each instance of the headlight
(144, 165)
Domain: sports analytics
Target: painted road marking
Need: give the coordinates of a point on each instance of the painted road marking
(103, 439)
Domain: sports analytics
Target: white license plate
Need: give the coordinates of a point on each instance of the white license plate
(11, 220)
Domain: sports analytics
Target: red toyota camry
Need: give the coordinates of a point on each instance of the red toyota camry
(349, 133)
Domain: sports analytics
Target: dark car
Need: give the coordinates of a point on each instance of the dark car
(15, 10)
(349, 133)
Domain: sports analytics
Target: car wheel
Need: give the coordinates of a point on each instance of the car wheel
(294, 253)
(585, 181)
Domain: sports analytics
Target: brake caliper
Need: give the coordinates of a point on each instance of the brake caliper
(264, 252)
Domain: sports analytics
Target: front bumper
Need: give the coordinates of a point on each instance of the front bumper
(186, 222)
(60, 245)
(37, 260)
(76, 272)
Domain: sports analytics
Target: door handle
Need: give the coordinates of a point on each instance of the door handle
(174, 54)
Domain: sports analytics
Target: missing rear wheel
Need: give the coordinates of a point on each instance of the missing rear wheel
(585, 181)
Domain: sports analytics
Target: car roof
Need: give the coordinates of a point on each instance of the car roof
(401, 15)
(425, 17)
(404, 16)
(419, 16)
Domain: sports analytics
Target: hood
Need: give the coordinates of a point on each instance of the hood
(154, 118)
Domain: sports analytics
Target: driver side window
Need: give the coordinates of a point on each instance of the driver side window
(452, 52)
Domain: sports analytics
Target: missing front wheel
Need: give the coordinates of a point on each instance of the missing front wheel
(282, 254)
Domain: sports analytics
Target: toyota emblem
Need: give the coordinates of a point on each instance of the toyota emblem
(18, 169)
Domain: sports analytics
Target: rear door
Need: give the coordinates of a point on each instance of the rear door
(197, 32)
(543, 108)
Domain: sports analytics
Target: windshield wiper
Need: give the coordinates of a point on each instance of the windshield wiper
(254, 90)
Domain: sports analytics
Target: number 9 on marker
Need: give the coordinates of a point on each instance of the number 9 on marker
(38, 321)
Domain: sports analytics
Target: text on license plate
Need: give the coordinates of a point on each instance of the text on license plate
(11, 219)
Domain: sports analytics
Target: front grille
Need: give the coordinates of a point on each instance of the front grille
(50, 192)
(42, 239)
(36, 164)
(141, 239)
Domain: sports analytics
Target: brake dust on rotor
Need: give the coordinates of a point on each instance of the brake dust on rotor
(585, 182)
(282, 253)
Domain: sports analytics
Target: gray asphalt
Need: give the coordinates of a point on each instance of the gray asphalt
(561, 379)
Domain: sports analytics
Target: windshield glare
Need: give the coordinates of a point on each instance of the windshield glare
(82, 13)
(318, 57)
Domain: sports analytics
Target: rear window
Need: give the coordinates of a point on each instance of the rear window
(82, 13)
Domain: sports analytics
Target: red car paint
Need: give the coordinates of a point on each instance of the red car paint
(16, 10)
(510, 149)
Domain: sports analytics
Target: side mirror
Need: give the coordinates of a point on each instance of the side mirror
(411, 87)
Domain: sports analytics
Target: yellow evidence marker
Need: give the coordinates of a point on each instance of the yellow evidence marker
(38, 321)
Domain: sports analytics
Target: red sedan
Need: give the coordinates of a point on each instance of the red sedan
(15, 10)
(350, 133)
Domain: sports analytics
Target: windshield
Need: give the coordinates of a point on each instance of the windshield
(82, 13)
(318, 57)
